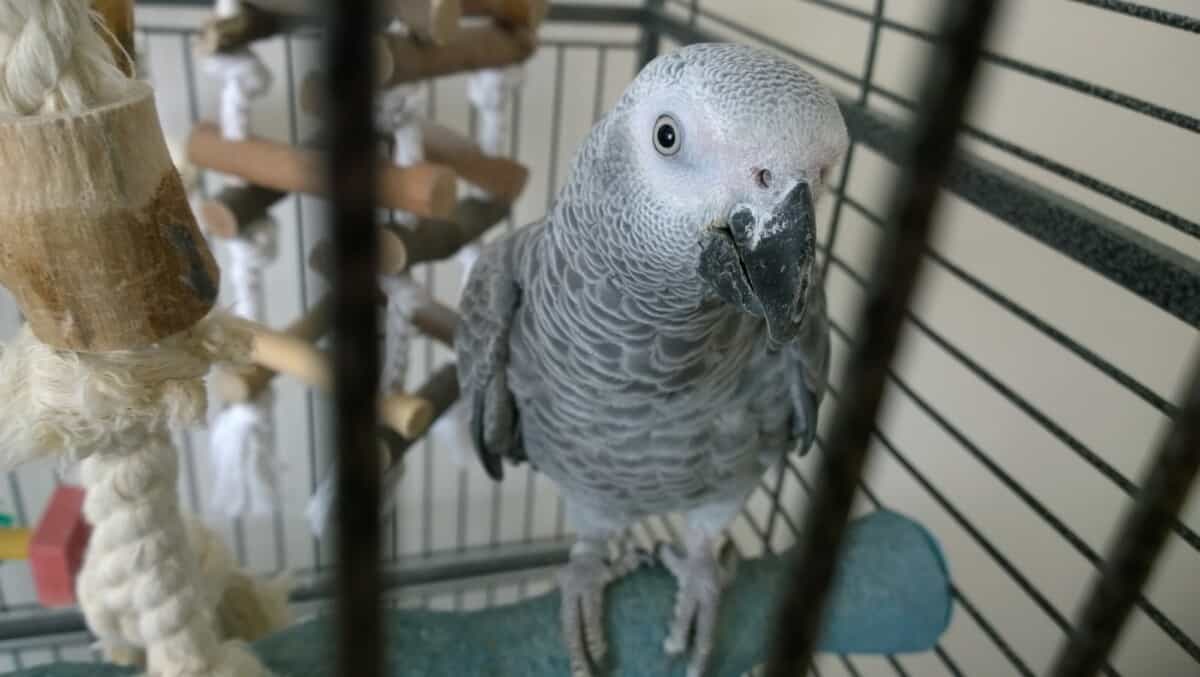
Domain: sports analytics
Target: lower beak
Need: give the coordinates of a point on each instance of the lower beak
(765, 265)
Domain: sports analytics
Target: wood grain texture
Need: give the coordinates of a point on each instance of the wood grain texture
(523, 13)
(252, 23)
(432, 21)
(425, 189)
(502, 178)
(472, 48)
(235, 383)
(428, 240)
(97, 241)
(227, 214)
(117, 16)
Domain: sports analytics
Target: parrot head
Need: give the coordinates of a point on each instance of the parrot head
(712, 162)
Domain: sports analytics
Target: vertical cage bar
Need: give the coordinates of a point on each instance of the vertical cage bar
(1139, 543)
(947, 83)
(350, 166)
(651, 33)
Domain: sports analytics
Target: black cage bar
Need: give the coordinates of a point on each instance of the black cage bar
(363, 571)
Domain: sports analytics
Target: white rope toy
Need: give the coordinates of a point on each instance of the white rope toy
(242, 439)
(398, 111)
(142, 586)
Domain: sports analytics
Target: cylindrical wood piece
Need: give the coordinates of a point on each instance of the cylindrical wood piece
(435, 240)
(502, 178)
(97, 240)
(425, 189)
(523, 13)
(437, 321)
(473, 48)
(243, 383)
(393, 255)
(440, 391)
(433, 21)
(229, 33)
(233, 209)
(429, 240)
(409, 415)
(287, 354)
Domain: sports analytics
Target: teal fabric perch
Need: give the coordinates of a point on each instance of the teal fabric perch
(892, 596)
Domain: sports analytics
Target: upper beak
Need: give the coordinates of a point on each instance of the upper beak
(763, 263)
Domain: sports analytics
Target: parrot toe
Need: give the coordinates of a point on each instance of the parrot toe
(582, 584)
(701, 578)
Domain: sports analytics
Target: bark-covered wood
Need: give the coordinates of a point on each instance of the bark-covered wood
(504, 179)
(221, 34)
(523, 13)
(230, 211)
(472, 48)
(97, 240)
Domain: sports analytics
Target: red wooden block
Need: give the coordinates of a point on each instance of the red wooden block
(57, 546)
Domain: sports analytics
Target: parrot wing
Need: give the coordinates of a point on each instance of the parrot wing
(809, 355)
(488, 309)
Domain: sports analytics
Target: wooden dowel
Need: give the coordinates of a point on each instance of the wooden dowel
(441, 392)
(474, 48)
(282, 352)
(287, 354)
(502, 178)
(523, 13)
(118, 19)
(228, 213)
(425, 189)
(244, 383)
(432, 21)
(393, 254)
(436, 240)
(252, 23)
(429, 240)
(437, 321)
(409, 415)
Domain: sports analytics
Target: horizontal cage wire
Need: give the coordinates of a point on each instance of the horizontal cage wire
(1042, 359)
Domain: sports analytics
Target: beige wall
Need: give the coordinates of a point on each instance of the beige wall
(1146, 158)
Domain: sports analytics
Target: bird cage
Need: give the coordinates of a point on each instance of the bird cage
(1014, 366)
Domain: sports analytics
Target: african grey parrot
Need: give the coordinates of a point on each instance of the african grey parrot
(657, 342)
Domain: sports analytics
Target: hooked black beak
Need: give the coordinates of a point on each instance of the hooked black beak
(764, 265)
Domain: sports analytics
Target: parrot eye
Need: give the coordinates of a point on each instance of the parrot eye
(666, 135)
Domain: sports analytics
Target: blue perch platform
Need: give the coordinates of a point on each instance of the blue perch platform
(892, 596)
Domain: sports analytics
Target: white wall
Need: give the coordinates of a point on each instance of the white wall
(1146, 158)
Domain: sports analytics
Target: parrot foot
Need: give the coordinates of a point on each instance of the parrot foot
(582, 582)
(701, 578)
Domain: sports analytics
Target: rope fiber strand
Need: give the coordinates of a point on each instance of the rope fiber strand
(152, 580)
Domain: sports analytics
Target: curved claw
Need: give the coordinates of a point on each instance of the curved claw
(582, 583)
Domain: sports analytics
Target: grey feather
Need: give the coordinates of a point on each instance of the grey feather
(590, 345)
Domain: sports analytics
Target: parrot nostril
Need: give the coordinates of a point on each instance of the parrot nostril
(763, 177)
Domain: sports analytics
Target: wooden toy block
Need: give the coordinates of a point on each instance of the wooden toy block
(57, 546)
